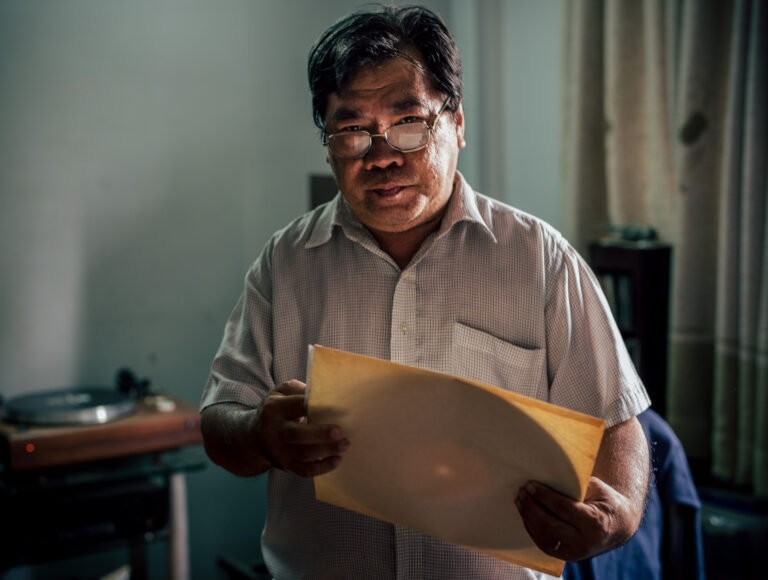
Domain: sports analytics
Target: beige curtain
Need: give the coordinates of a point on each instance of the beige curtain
(665, 124)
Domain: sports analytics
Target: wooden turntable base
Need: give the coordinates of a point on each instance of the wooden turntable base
(159, 423)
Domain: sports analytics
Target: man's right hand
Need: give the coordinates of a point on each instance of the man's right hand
(288, 442)
(247, 441)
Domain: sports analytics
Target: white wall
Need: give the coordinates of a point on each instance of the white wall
(511, 50)
(147, 150)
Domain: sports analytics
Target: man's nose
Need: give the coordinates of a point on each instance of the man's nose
(381, 154)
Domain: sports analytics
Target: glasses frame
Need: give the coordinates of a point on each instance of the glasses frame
(327, 137)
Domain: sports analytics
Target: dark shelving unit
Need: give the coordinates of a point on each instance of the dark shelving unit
(635, 278)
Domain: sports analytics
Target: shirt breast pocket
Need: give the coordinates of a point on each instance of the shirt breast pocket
(482, 357)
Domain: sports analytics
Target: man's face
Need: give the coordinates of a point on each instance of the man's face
(390, 191)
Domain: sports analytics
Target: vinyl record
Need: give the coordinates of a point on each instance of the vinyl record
(446, 459)
(81, 406)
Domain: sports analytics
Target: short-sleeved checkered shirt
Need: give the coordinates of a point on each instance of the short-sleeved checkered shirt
(495, 295)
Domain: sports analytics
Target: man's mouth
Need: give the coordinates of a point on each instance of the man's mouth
(388, 190)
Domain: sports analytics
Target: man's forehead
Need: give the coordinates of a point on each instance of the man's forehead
(395, 85)
(350, 107)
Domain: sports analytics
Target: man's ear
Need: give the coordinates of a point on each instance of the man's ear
(458, 117)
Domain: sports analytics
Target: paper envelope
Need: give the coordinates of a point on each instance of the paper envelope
(443, 455)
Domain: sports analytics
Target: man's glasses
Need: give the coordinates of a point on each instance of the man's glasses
(405, 138)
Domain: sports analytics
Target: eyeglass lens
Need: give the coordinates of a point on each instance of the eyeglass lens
(404, 138)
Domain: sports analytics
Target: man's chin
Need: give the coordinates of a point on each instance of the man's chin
(405, 224)
(392, 220)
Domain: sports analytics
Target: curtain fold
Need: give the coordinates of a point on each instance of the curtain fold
(583, 153)
(726, 366)
(679, 87)
(738, 439)
(638, 110)
(699, 108)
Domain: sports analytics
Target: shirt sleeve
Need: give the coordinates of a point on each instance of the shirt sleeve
(589, 369)
(241, 371)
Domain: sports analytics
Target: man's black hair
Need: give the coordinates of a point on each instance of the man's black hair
(373, 36)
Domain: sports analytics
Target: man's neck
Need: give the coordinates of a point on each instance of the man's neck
(402, 246)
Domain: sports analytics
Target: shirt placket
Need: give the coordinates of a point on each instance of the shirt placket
(404, 350)
(403, 333)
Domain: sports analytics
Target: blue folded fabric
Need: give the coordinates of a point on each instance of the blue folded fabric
(668, 543)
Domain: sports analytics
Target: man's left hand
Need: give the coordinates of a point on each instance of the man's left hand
(613, 503)
(572, 530)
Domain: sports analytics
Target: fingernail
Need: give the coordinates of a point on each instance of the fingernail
(343, 445)
(336, 434)
(530, 488)
(336, 461)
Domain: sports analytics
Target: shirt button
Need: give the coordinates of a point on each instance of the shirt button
(404, 327)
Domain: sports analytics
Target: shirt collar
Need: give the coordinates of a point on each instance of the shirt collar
(462, 207)
(335, 213)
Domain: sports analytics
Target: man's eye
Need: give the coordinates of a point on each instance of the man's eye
(409, 119)
(350, 129)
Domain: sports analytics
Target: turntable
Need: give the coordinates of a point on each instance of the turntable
(84, 468)
(69, 426)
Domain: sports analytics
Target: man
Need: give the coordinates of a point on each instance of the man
(409, 264)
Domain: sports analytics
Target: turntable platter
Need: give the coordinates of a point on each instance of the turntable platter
(81, 406)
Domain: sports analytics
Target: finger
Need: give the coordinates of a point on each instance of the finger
(544, 526)
(296, 433)
(551, 535)
(292, 387)
(315, 468)
(282, 407)
(564, 507)
(310, 460)
(309, 453)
